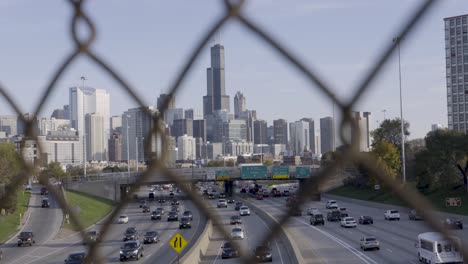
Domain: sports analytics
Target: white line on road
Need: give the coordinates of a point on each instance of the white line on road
(217, 256)
(276, 243)
(389, 250)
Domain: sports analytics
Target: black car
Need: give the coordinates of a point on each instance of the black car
(131, 250)
(333, 216)
(211, 196)
(222, 195)
(76, 258)
(151, 196)
(238, 206)
(230, 200)
(365, 220)
(160, 210)
(285, 193)
(26, 238)
(172, 216)
(171, 194)
(229, 251)
(143, 202)
(44, 191)
(415, 215)
(130, 234)
(175, 202)
(263, 254)
(92, 236)
(236, 219)
(453, 223)
(146, 208)
(316, 219)
(188, 214)
(185, 223)
(155, 215)
(45, 203)
(151, 237)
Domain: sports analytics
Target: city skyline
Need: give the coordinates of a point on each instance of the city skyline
(423, 63)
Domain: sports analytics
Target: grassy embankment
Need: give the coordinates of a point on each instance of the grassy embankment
(9, 223)
(437, 198)
(90, 209)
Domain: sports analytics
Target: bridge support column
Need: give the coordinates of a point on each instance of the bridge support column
(228, 187)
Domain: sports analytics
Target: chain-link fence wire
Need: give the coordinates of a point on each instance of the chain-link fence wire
(233, 10)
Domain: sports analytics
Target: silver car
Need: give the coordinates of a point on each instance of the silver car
(369, 242)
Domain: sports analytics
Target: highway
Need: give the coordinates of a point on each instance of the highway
(332, 243)
(55, 251)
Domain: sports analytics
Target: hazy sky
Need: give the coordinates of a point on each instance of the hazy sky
(148, 41)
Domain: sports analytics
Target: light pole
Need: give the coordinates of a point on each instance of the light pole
(397, 41)
(136, 153)
(83, 79)
(143, 150)
(384, 114)
(333, 124)
(128, 150)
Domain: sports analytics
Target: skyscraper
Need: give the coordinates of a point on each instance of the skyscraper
(216, 98)
(137, 122)
(239, 104)
(456, 57)
(311, 133)
(199, 129)
(280, 131)
(363, 120)
(326, 134)
(95, 138)
(189, 113)
(260, 132)
(300, 136)
(182, 127)
(162, 98)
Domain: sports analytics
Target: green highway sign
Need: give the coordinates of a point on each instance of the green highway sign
(280, 172)
(302, 172)
(223, 174)
(254, 172)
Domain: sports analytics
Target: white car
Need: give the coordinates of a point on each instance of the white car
(392, 214)
(369, 242)
(222, 203)
(348, 222)
(237, 233)
(123, 219)
(332, 204)
(244, 210)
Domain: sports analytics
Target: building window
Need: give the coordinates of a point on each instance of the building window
(455, 118)
(460, 69)
(465, 29)
(464, 20)
(461, 108)
(465, 39)
(458, 31)
(452, 31)
(452, 22)
(458, 21)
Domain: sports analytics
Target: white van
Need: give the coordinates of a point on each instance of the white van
(433, 247)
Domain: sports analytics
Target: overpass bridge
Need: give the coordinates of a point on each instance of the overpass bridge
(113, 185)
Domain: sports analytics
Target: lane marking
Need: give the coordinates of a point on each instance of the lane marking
(217, 256)
(276, 242)
(389, 250)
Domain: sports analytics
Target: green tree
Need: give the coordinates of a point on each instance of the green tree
(388, 157)
(10, 167)
(389, 131)
(54, 170)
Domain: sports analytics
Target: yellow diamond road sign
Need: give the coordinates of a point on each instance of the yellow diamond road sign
(178, 242)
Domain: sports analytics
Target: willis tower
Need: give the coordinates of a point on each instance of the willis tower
(216, 98)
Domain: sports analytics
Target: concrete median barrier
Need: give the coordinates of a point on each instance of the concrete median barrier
(200, 246)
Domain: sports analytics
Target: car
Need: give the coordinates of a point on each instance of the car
(171, 194)
(343, 215)
(311, 211)
(263, 254)
(453, 223)
(142, 202)
(222, 195)
(131, 250)
(415, 215)
(172, 216)
(211, 196)
(259, 196)
(243, 190)
(123, 219)
(185, 223)
(160, 210)
(45, 203)
(333, 215)
(286, 193)
(130, 234)
(238, 206)
(369, 242)
(175, 208)
(44, 191)
(205, 192)
(237, 233)
(188, 214)
(151, 196)
(161, 200)
(156, 215)
(151, 237)
(26, 238)
(391, 215)
(92, 236)
(343, 209)
(265, 193)
(175, 202)
(146, 208)
(331, 204)
(235, 219)
(365, 220)
(222, 203)
(317, 218)
(244, 210)
(228, 251)
(76, 258)
(348, 222)
(150, 189)
(230, 200)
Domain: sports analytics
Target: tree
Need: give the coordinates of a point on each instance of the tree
(390, 131)
(388, 157)
(10, 167)
(54, 170)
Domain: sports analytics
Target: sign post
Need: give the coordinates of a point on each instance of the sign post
(453, 201)
(178, 243)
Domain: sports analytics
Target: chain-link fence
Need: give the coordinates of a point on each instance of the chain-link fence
(233, 11)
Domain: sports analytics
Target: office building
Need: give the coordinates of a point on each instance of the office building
(280, 131)
(211, 150)
(311, 133)
(278, 150)
(189, 113)
(61, 113)
(199, 129)
(249, 116)
(9, 125)
(239, 104)
(216, 98)
(260, 132)
(238, 148)
(327, 129)
(299, 137)
(115, 147)
(61, 146)
(363, 121)
(51, 124)
(96, 143)
(186, 146)
(172, 114)
(162, 99)
(115, 123)
(435, 127)
(456, 56)
(235, 130)
(137, 126)
(182, 127)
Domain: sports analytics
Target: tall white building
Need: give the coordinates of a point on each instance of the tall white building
(61, 146)
(95, 138)
(187, 148)
(239, 104)
(299, 137)
(115, 122)
(364, 123)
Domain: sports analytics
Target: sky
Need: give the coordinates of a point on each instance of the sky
(148, 41)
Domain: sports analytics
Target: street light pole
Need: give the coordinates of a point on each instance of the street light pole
(397, 40)
(128, 150)
(83, 79)
(384, 114)
(333, 124)
(136, 153)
